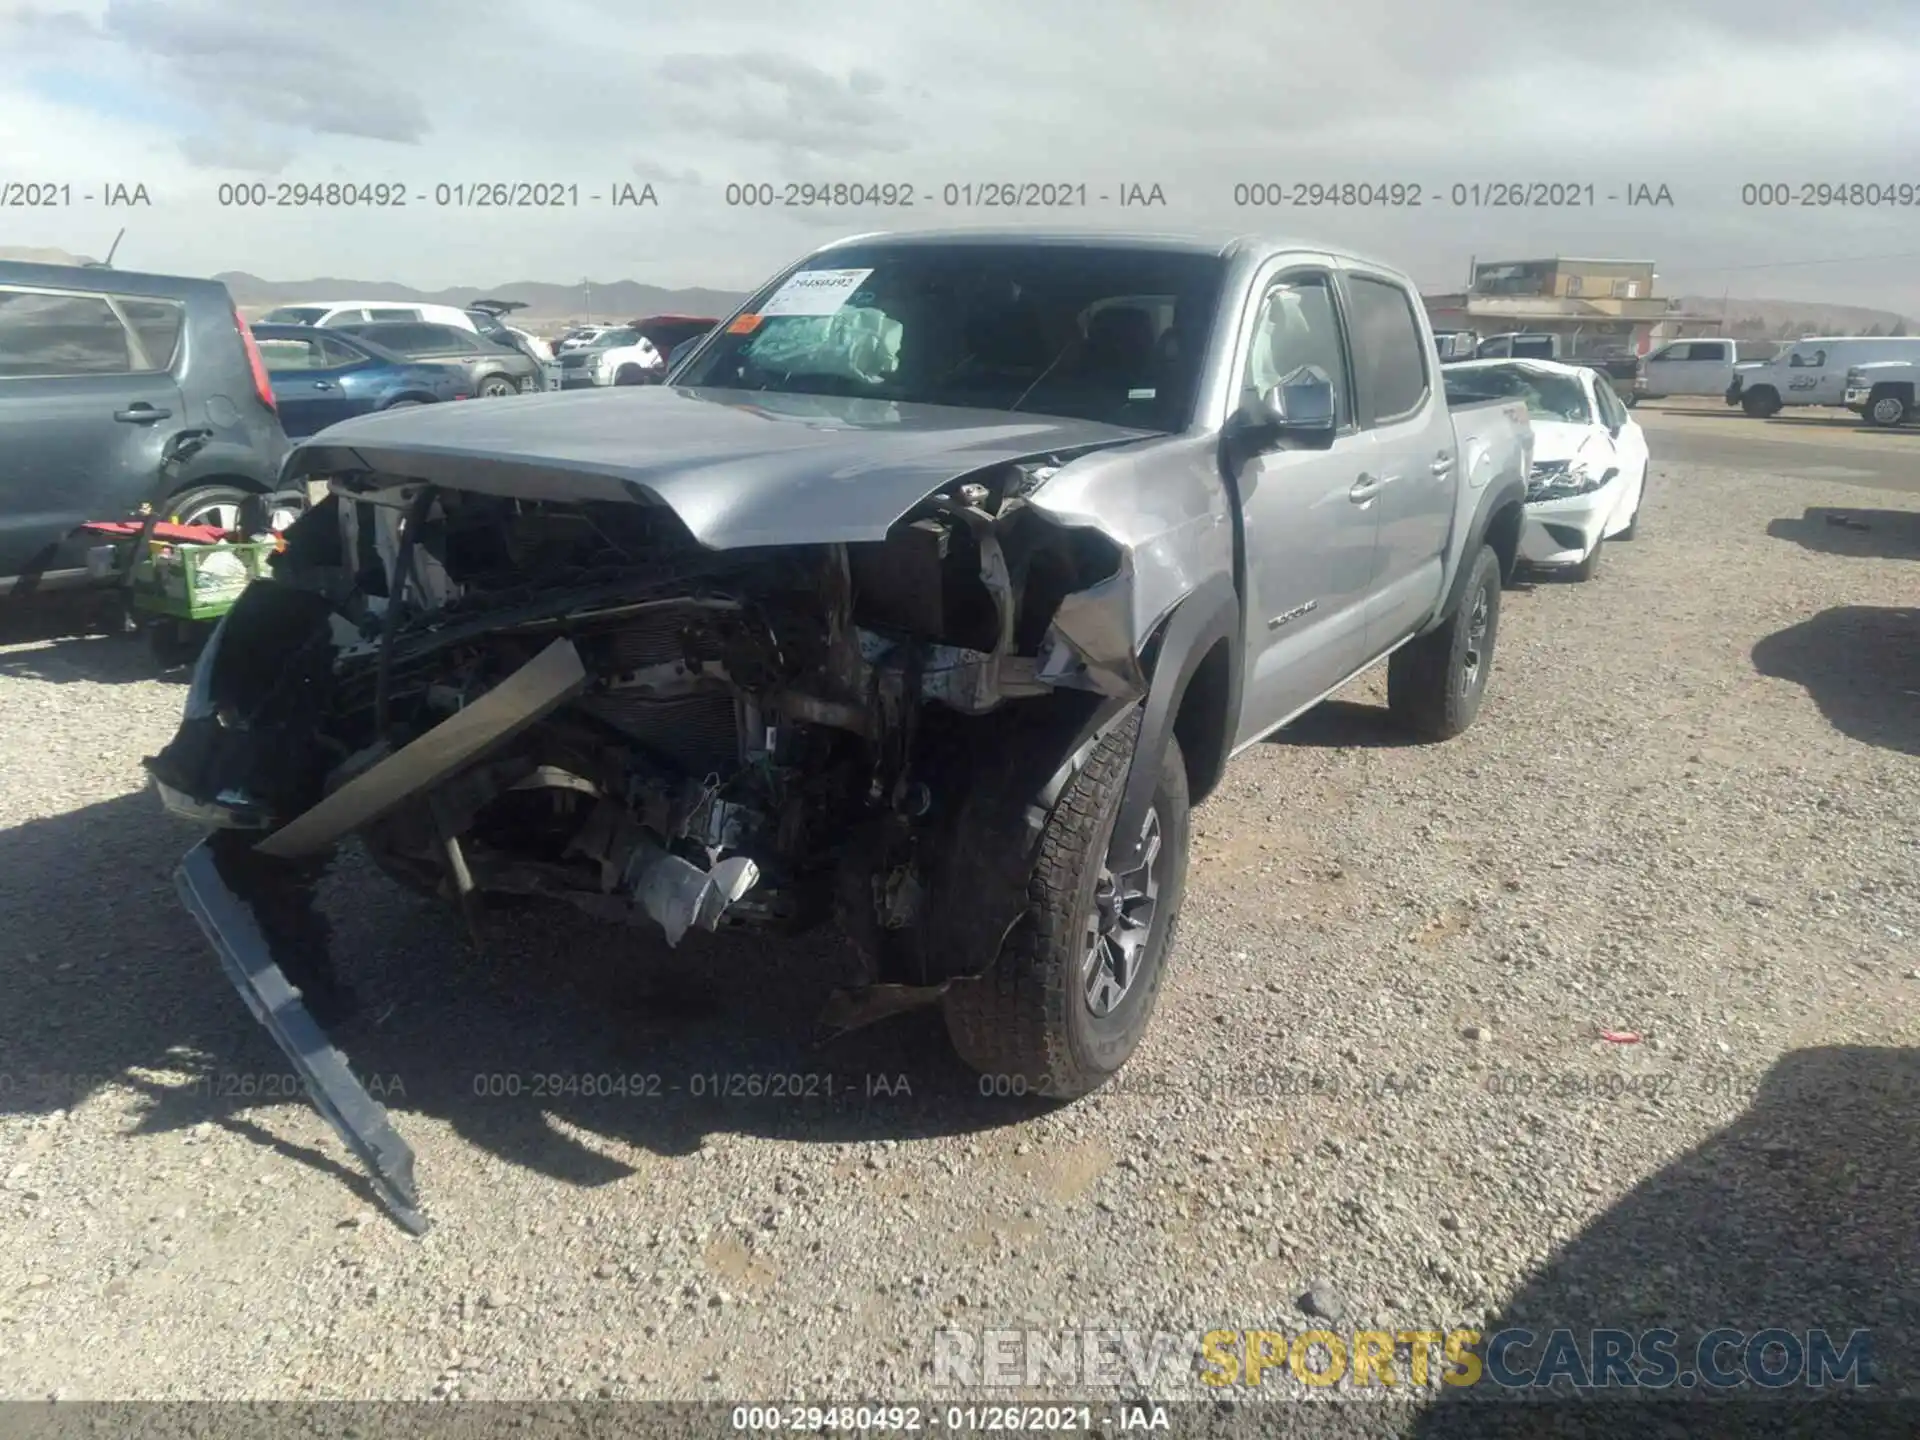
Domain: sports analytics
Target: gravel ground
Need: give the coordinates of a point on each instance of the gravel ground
(1376, 1075)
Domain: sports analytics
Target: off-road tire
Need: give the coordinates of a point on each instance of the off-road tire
(1429, 688)
(1026, 1024)
(1590, 566)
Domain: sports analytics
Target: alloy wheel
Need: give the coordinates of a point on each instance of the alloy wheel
(1120, 925)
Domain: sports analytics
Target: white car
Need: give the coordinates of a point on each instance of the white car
(579, 337)
(1590, 458)
(332, 313)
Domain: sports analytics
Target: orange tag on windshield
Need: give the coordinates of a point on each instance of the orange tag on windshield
(744, 325)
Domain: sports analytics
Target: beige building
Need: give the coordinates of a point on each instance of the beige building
(1597, 304)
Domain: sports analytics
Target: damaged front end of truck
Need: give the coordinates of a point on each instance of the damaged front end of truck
(504, 679)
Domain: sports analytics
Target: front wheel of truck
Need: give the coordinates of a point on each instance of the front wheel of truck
(1069, 998)
(1435, 683)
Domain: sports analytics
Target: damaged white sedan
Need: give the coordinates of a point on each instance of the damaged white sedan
(1590, 458)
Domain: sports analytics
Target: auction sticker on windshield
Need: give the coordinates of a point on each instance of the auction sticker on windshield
(815, 292)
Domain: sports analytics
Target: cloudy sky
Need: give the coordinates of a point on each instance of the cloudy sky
(1701, 96)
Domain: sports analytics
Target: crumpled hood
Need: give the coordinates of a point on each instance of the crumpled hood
(739, 468)
(1555, 440)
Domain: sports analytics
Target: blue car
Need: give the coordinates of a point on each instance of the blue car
(322, 376)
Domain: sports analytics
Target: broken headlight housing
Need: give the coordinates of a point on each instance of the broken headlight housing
(1564, 479)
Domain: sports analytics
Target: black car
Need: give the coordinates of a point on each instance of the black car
(99, 371)
(493, 369)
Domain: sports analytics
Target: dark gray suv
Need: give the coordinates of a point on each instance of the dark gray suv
(99, 370)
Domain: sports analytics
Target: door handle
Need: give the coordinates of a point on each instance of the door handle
(1442, 467)
(140, 415)
(1364, 489)
(323, 385)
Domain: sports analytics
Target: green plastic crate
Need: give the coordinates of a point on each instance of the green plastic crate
(197, 582)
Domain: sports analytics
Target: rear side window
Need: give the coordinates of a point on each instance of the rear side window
(282, 356)
(448, 337)
(1389, 360)
(1706, 350)
(408, 339)
(51, 333)
(335, 355)
(378, 315)
(158, 324)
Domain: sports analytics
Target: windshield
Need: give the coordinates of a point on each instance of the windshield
(1091, 332)
(1547, 396)
(294, 315)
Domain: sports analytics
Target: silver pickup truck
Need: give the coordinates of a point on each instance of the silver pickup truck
(927, 596)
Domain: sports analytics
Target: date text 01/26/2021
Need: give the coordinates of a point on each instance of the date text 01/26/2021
(1460, 195)
(949, 195)
(443, 195)
(1042, 1419)
(646, 1085)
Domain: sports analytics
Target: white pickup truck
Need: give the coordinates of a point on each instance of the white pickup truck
(1881, 392)
(1694, 367)
(1813, 371)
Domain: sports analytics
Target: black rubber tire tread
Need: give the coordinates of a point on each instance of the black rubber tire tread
(1422, 690)
(1013, 1022)
(1906, 413)
(1590, 566)
(185, 501)
(1639, 504)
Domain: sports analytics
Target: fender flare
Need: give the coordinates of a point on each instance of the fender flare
(1206, 616)
(1496, 497)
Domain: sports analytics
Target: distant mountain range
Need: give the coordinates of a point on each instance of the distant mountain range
(547, 305)
(1790, 319)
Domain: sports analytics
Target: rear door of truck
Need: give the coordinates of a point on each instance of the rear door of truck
(1412, 460)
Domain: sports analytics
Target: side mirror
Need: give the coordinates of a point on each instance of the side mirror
(1301, 405)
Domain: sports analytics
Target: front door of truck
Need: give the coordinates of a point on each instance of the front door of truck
(1310, 520)
(1403, 415)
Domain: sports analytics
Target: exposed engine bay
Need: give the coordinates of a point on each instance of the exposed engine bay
(770, 737)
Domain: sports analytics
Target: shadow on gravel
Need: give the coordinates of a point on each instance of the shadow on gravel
(1861, 534)
(1861, 665)
(95, 659)
(563, 1022)
(1344, 724)
(1802, 1215)
(69, 635)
